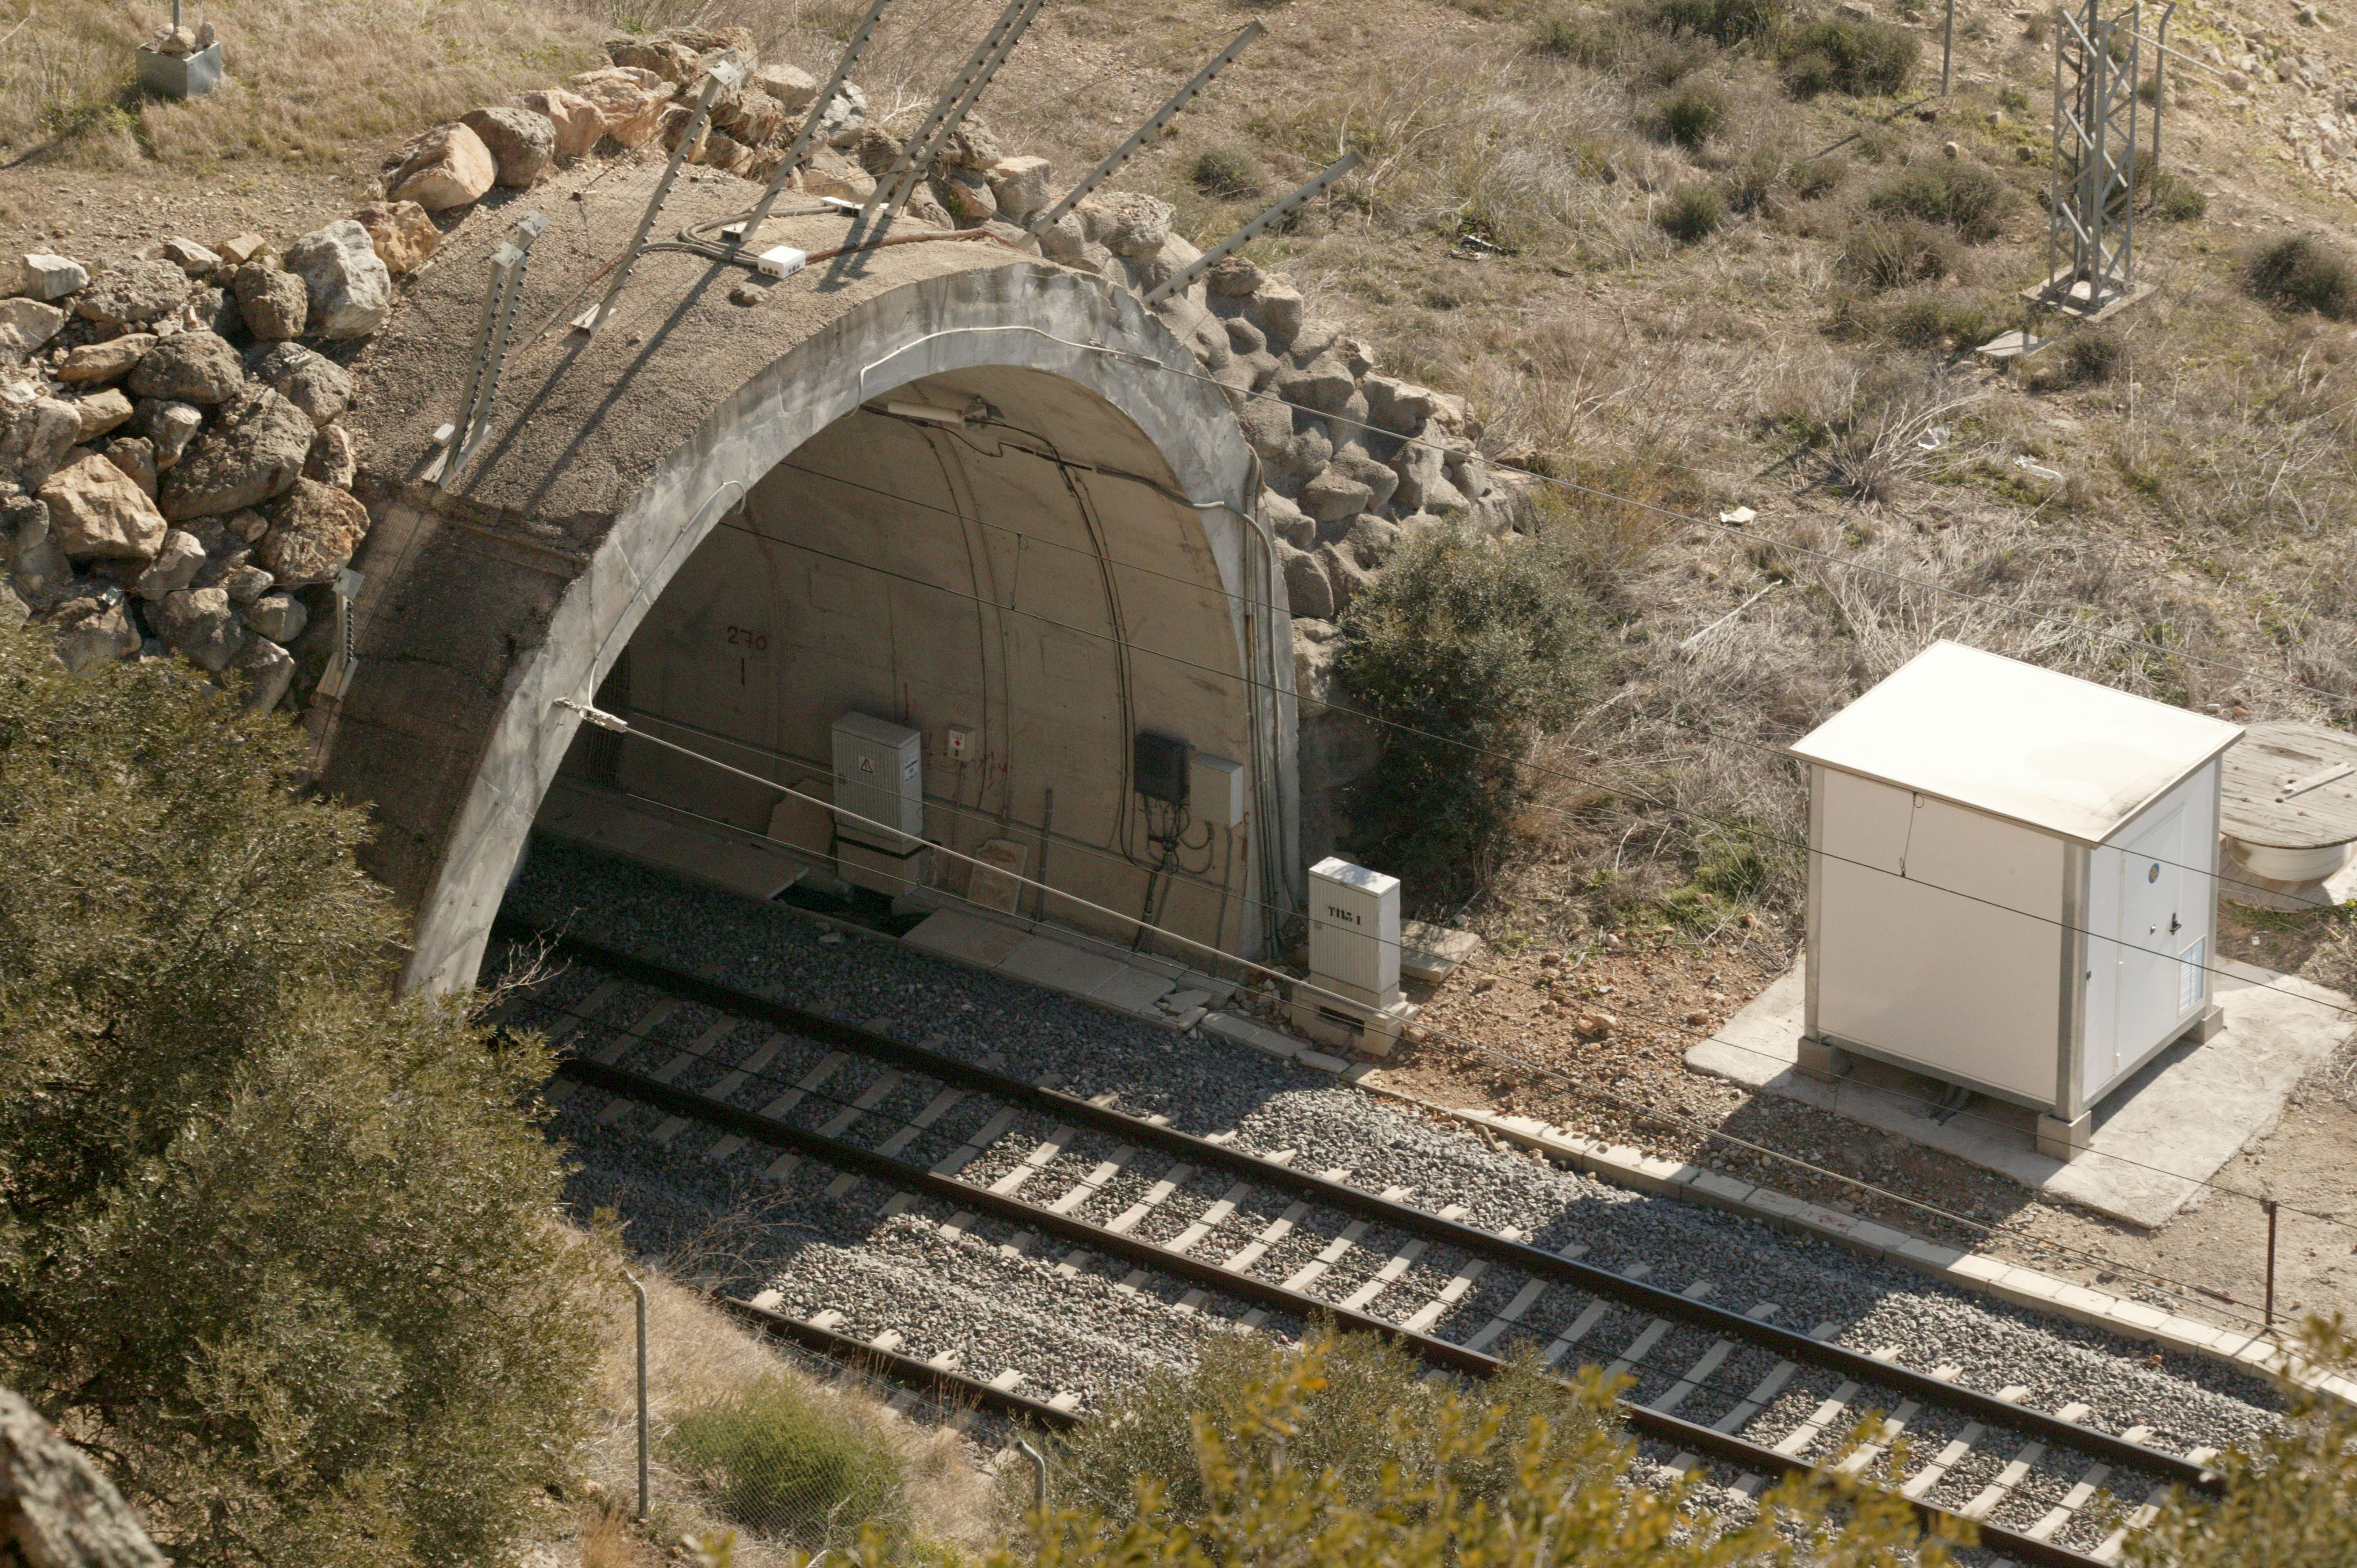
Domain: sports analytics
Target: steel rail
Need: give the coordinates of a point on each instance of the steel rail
(1654, 1300)
(938, 1382)
(1213, 1278)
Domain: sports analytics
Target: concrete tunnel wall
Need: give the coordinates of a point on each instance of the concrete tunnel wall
(1050, 600)
(470, 634)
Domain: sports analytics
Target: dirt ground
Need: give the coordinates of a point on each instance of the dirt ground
(1505, 1033)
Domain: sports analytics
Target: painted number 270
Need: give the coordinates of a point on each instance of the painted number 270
(746, 637)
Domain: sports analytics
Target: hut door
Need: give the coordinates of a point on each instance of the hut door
(2152, 882)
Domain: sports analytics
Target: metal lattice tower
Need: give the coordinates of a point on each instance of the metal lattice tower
(2102, 149)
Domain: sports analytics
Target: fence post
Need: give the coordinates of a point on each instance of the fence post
(641, 1292)
(1039, 1473)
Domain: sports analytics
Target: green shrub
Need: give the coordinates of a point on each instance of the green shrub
(1894, 254)
(1691, 116)
(275, 1244)
(2301, 272)
(1230, 173)
(1595, 41)
(786, 1464)
(1692, 214)
(1726, 22)
(2174, 199)
(2092, 356)
(1469, 646)
(1921, 318)
(1965, 197)
(1861, 58)
(1370, 1408)
(1819, 177)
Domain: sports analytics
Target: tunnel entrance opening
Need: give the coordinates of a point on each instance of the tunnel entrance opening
(992, 573)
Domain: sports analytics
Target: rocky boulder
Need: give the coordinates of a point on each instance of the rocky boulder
(792, 87)
(27, 324)
(255, 452)
(1022, 186)
(573, 119)
(313, 534)
(190, 366)
(350, 289)
(274, 302)
(134, 294)
(1126, 223)
(101, 413)
(95, 364)
(322, 388)
(1276, 308)
(198, 624)
(280, 618)
(266, 672)
(171, 426)
(39, 430)
(444, 168)
(176, 564)
(965, 195)
(93, 631)
(401, 233)
(666, 58)
(1331, 496)
(332, 460)
(191, 258)
(44, 276)
(1307, 591)
(135, 456)
(1233, 277)
(97, 513)
(522, 143)
(631, 102)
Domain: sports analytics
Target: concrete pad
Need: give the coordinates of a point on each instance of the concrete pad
(652, 834)
(2157, 1138)
(1132, 989)
(952, 933)
(1428, 952)
(1043, 961)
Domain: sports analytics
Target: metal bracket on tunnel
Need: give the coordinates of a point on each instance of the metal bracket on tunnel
(1163, 116)
(811, 127)
(343, 662)
(458, 440)
(1179, 282)
(916, 159)
(725, 72)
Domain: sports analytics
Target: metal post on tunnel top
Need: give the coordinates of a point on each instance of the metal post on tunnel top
(459, 438)
(639, 1290)
(1179, 282)
(725, 72)
(900, 182)
(1169, 110)
(810, 123)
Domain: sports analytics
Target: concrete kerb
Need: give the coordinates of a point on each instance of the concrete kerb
(1624, 1166)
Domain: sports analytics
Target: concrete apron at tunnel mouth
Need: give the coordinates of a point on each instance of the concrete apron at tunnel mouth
(650, 455)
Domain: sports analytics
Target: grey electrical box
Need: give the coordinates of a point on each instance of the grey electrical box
(879, 784)
(1159, 770)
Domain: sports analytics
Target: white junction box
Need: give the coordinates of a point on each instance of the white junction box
(781, 261)
(2012, 882)
(1354, 953)
(1215, 789)
(1354, 931)
(879, 803)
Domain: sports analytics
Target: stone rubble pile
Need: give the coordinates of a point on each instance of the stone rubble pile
(174, 479)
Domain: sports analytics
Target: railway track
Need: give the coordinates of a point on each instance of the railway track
(1714, 1383)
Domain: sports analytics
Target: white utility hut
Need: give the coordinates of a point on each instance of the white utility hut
(2012, 882)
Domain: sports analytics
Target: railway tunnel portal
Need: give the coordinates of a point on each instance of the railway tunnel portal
(973, 505)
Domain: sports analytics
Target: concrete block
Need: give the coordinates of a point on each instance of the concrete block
(2207, 1028)
(2065, 1141)
(1980, 1270)
(2137, 1315)
(1777, 1207)
(1928, 1256)
(1243, 1032)
(1822, 1062)
(2028, 1286)
(1321, 1061)
(2079, 1298)
(1881, 1238)
(1725, 1191)
(2191, 1334)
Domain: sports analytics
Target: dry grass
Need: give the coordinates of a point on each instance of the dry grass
(697, 1356)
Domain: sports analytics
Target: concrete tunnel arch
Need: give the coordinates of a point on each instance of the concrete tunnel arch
(484, 605)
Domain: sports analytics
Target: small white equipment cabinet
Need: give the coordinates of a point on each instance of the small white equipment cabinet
(2012, 883)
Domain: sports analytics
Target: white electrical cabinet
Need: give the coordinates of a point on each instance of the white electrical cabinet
(879, 803)
(1354, 931)
(2012, 881)
(1215, 789)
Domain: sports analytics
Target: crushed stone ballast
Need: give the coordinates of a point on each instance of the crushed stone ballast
(1969, 1413)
